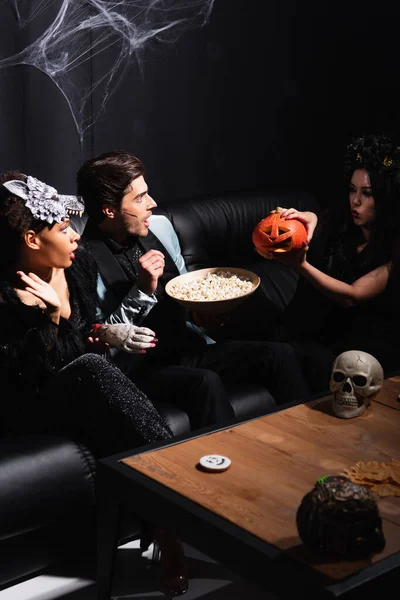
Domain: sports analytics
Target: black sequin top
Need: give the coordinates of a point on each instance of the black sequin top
(32, 348)
(374, 323)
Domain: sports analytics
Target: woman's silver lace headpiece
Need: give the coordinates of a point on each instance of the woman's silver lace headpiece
(44, 202)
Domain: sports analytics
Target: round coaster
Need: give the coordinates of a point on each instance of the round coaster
(215, 462)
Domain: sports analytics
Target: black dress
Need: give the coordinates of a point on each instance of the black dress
(320, 329)
(50, 383)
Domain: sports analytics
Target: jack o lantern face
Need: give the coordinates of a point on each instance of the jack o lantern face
(274, 234)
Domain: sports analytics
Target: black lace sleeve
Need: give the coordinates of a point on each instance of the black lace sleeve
(32, 347)
(26, 335)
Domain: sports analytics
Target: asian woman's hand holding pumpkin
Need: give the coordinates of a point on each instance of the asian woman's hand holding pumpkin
(291, 259)
(280, 235)
(308, 218)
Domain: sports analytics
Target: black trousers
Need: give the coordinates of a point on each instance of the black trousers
(199, 392)
(272, 365)
(316, 358)
(197, 384)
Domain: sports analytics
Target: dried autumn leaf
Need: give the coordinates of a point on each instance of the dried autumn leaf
(371, 470)
(355, 478)
(374, 470)
(386, 489)
(382, 478)
(395, 470)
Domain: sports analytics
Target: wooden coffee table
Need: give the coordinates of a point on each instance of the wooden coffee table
(245, 517)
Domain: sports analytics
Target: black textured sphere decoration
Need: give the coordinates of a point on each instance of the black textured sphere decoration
(340, 517)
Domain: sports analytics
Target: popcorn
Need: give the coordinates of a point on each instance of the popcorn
(222, 285)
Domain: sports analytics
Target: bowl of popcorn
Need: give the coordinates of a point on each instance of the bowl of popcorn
(213, 290)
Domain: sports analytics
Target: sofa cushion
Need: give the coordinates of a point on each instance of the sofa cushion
(176, 419)
(42, 478)
(250, 400)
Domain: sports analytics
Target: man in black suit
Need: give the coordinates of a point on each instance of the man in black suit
(186, 367)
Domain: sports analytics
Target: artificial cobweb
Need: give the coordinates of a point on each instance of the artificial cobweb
(81, 29)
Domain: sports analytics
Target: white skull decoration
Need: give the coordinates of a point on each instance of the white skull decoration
(356, 376)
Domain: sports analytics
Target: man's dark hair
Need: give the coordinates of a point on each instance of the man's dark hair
(105, 179)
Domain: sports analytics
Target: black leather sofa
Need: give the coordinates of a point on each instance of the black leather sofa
(215, 231)
(47, 483)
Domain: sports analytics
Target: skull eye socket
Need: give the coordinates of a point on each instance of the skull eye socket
(338, 377)
(360, 381)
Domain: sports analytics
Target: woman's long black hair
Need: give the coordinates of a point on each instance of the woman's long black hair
(381, 159)
(15, 220)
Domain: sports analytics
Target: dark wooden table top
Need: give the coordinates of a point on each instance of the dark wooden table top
(276, 460)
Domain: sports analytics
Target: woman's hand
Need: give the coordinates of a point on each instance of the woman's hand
(96, 346)
(49, 301)
(128, 338)
(292, 259)
(308, 218)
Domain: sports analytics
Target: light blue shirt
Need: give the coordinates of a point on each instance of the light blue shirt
(163, 229)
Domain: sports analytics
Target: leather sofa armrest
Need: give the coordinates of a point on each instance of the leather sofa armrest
(42, 478)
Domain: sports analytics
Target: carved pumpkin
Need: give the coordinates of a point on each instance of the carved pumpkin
(274, 234)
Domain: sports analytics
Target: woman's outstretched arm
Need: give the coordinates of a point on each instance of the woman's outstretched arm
(366, 287)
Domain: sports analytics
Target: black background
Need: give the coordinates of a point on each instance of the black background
(267, 93)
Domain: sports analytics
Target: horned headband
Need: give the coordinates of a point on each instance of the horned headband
(43, 201)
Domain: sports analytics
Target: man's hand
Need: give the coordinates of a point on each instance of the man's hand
(151, 267)
(129, 338)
